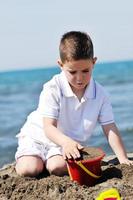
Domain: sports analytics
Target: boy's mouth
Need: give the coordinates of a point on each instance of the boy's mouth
(80, 84)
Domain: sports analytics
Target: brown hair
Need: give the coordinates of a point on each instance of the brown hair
(75, 45)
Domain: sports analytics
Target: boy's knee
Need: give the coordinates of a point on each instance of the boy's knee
(57, 168)
(58, 171)
(28, 168)
(27, 171)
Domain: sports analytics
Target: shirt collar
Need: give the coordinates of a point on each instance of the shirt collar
(65, 87)
(90, 92)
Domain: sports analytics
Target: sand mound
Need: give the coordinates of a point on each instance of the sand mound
(52, 187)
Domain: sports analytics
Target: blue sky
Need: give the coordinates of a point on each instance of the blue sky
(30, 30)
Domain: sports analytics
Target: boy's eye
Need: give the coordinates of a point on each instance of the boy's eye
(85, 71)
(72, 72)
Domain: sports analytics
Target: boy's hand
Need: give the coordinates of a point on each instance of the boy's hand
(127, 161)
(71, 149)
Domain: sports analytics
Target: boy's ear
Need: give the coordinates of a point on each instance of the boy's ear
(60, 63)
(94, 60)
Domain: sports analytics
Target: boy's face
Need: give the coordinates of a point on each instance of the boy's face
(78, 73)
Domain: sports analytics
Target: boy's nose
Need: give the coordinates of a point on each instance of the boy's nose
(79, 77)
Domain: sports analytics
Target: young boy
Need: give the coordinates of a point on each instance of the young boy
(69, 107)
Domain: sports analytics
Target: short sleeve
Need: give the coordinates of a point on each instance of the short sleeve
(49, 102)
(106, 114)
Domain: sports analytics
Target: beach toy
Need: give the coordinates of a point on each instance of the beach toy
(110, 194)
(86, 172)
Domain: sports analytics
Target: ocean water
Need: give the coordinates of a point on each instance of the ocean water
(19, 95)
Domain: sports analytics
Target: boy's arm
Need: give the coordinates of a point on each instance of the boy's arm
(69, 146)
(115, 141)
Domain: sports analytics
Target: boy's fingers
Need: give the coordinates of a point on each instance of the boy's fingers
(67, 156)
(64, 156)
(80, 147)
(76, 153)
(71, 155)
(130, 162)
(73, 152)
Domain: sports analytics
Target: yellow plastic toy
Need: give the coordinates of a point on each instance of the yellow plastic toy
(110, 194)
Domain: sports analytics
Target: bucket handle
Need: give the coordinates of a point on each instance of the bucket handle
(79, 163)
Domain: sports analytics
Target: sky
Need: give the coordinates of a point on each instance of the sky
(30, 30)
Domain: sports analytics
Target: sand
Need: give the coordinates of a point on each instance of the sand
(52, 187)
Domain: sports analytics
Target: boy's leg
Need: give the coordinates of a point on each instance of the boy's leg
(29, 166)
(57, 165)
(30, 157)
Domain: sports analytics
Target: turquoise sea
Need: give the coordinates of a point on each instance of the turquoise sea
(19, 94)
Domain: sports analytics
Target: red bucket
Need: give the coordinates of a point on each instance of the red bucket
(86, 172)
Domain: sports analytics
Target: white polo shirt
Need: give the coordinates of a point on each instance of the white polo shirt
(77, 119)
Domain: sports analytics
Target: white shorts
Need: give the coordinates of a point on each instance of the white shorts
(29, 146)
(32, 141)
